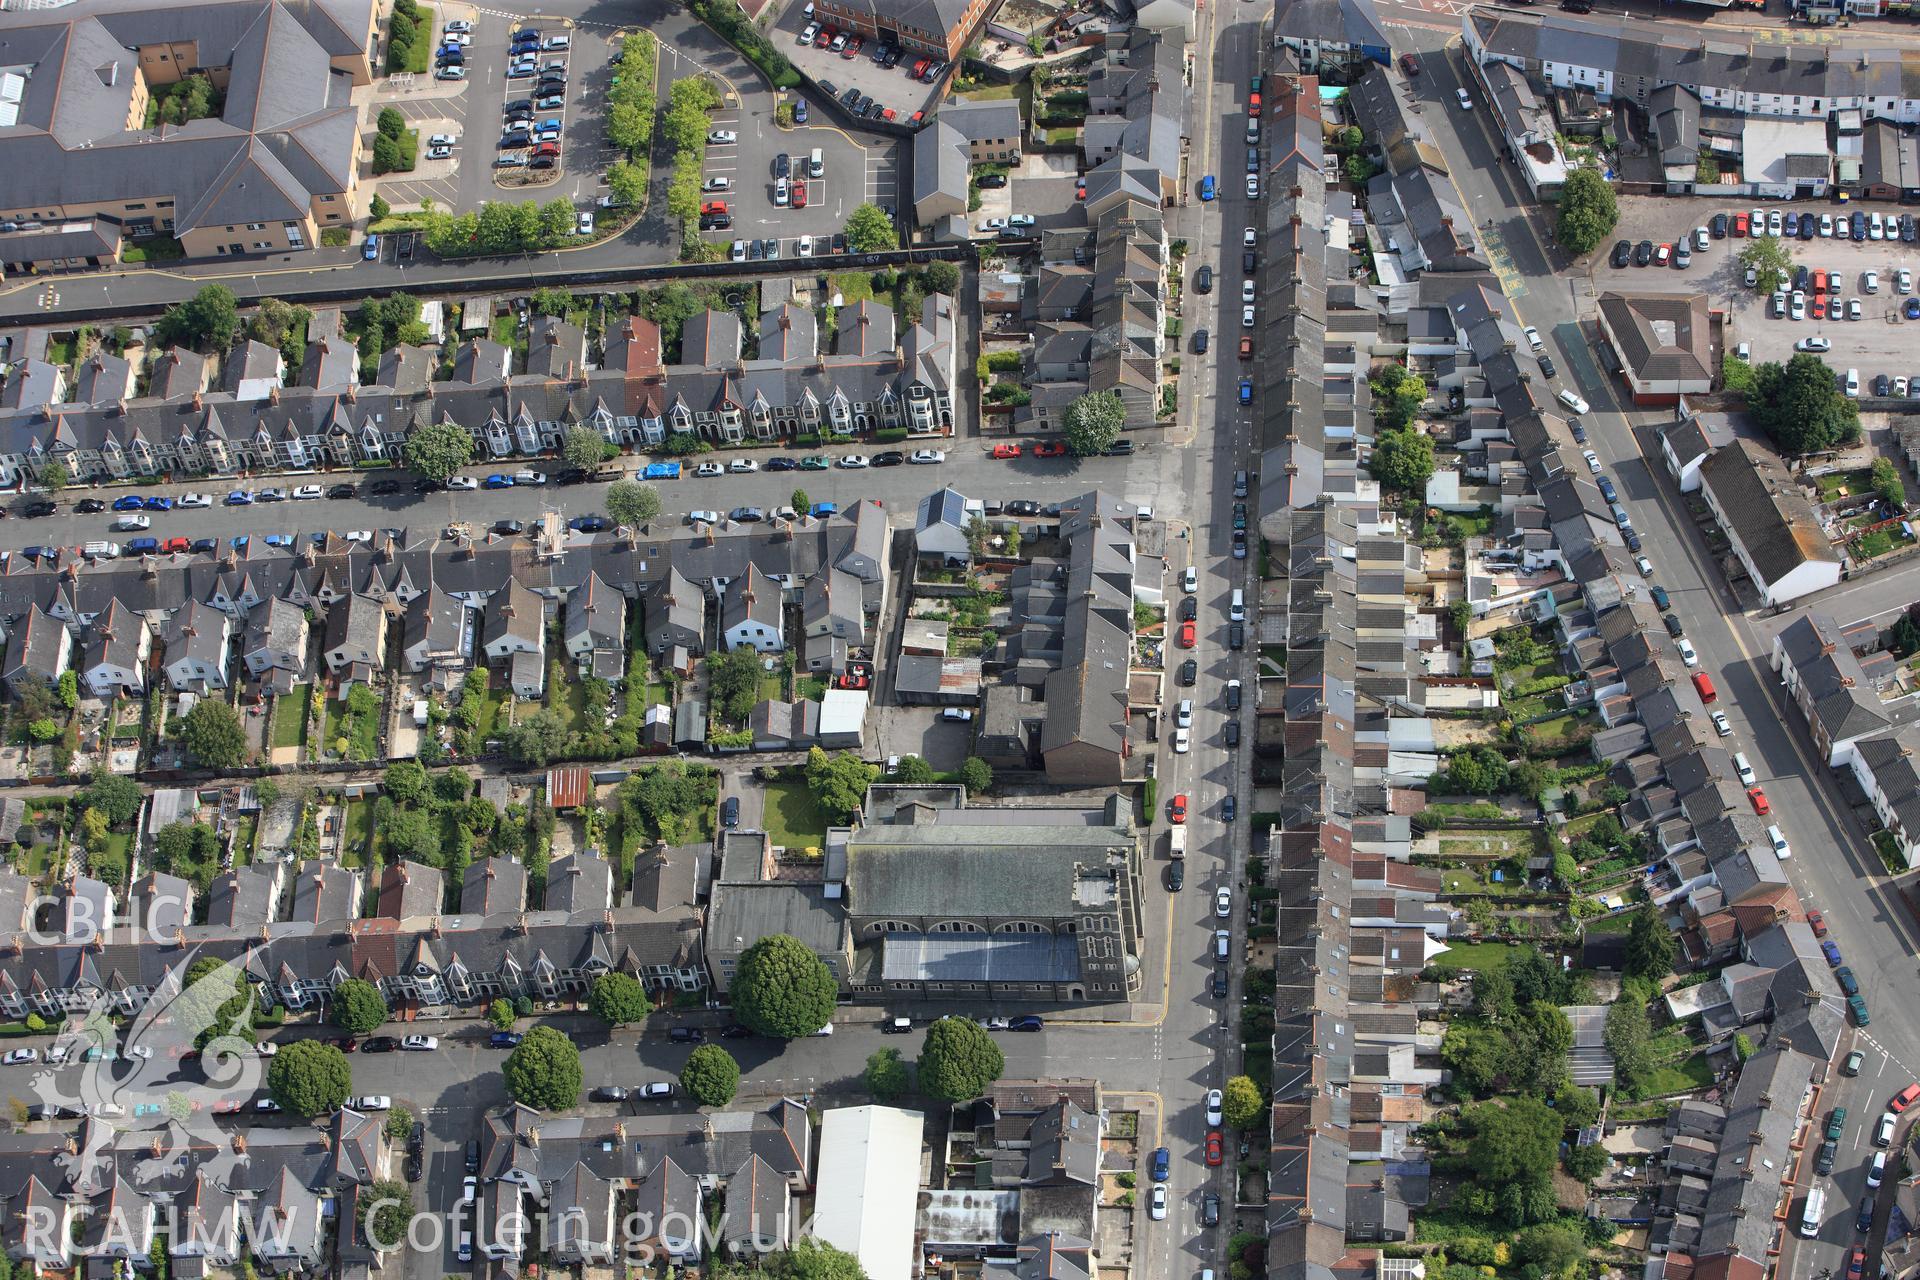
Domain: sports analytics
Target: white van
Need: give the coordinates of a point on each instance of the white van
(1237, 611)
(1222, 946)
(101, 550)
(1573, 402)
(816, 164)
(1742, 767)
(1810, 1217)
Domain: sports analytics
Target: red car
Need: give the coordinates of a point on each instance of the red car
(1187, 635)
(1740, 224)
(1080, 189)
(1410, 64)
(853, 47)
(1006, 451)
(1177, 810)
(825, 37)
(1050, 449)
(175, 544)
(1216, 1149)
(799, 194)
(1758, 799)
(1856, 1263)
(1904, 1099)
(1818, 923)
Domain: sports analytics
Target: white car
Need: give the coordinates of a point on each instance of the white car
(1870, 282)
(420, 1044)
(1182, 741)
(442, 140)
(1773, 222)
(469, 1189)
(994, 224)
(1247, 290)
(1797, 306)
(1248, 237)
(1533, 338)
(1903, 281)
(1573, 401)
(193, 500)
(1826, 225)
(266, 1107)
(358, 535)
(1743, 351)
(743, 466)
(717, 184)
(440, 153)
(1644, 565)
(709, 469)
(465, 484)
(926, 457)
(1157, 1202)
(1781, 849)
(1722, 725)
(107, 1111)
(1223, 902)
(1190, 582)
(722, 137)
(583, 224)
(704, 517)
(265, 1049)
(460, 26)
(1464, 98)
(371, 1102)
(1020, 219)
(655, 1089)
(306, 493)
(855, 462)
(142, 1051)
(1701, 239)
(1593, 460)
(1688, 654)
(526, 476)
(1253, 186)
(450, 73)
(16, 1057)
(804, 246)
(57, 1053)
(1246, 317)
(131, 524)
(1851, 385)
(1183, 714)
(739, 253)
(461, 38)
(808, 32)
(1213, 1108)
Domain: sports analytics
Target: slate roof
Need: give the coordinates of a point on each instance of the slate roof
(493, 885)
(1662, 337)
(1770, 515)
(1351, 22)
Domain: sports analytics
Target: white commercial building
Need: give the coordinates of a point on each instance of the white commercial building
(869, 1185)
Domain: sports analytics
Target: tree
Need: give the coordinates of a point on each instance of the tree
(66, 691)
(378, 208)
(1886, 480)
(839, 782)
(399, 1124)
(543, 1071)
(1629, 1038)
(537, 739)
(1736, 375)
(1241, 1105)
(1770, 259)
(801, 501)
(500, 1015)
(1801, 407)
(941, 277)
(1588, 210)
(1493, 995)
(914, 770)
(358, 1006)
(959, 1060)
(1513, 1152)
(1475, 771)
(617, 999)
(1094, 421)
(886, 1074)
(215, 1002)
(584, 448)
(732, 679)
(54, 477)
(632, 504)
(812, 1260)
(711, 1076)
(384, 1212)
(309, 1078)
(451, 787)
(1553, 1248)
(208, 320)
(870, 230)
(1742, 1046)
(627, 182)
(1586, 1163)
(213, 735)
(405, 781)
(976, 775)
(1650, 945)
(1403, 461)
(557, 301)
(437, 450)
(782, 989)
(1398, 393)
(1578, 1107)
(1541, 1037)
(117, 797)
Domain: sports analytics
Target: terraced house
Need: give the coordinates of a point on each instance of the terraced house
(88, 164)
(249, 416)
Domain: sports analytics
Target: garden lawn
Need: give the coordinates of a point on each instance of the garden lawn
(567, 701)
(852, 286)
(792, 818)
(1694, 1073)
(1620, 923)
(1842, 484)
(490, 712)
(420, 54)
(358, 849)
(1474, 955)
(290, 717)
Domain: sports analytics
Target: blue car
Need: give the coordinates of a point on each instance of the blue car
(1246, 391)
(800, 111)
(497, 481)
(1162, 1166)
(589, 524)
(504, 1039)
(1865, 1220)
(1831, 950)
(370, 252)
(1912, 308)
(662, 471)
(279, 539)
(1032, 1022)
(131, 502)
(239, 498)
(1206, 187)
(1607, 490)
(159, 504)
(553, 124)
(238, 542)
(824, 509)
(142, 546)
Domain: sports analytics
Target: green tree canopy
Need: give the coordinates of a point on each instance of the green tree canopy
(959, 1060)
(914, 770)
(1403, 461)
(870, 230)
(711, 1076)
(1513, 1152)
(500, 1015)
(1770, 258)
(584, 448)
(632, 504)
(782, 989)
(358, 1006)
(437, 450)
(976, 775)
(213, 735)
(309, 1078)
(941, 277)
(543, 1071)
(627, 182)
(54, 476)
(1629, 1037)
(1094, 421)
(208, 320)
(117, 797)
(1475, 771)
(839, 782)
(733, 678)
(886, 1074)
(1801, 407)
(1398, 393)
(618, 1000)
(1650, 945)
(1588, 210)
(1241, 1105)
(812, 1260)
(1551, 1249)
(405, 782)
